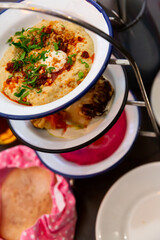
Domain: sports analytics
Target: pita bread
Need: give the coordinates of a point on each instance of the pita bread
(25, 196)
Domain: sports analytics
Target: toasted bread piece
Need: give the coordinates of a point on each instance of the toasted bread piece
(25, 196)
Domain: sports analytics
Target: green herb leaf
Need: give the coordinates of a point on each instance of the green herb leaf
(49, 70)
(10, 76)
(80, 75)
(22, 44)
(42, 35)
(24, 86)
(23, 102)
(43, 55)
(20, 32)
(70, 61)
(32, 81)
(17, 64)
(39, 30)
(22, 36)
(24, 95)
(56, 47)
(9, 40)
(41, 65)
(83, 62)
(22, 56)
(40, 90)
(19, 94)
(34, 46)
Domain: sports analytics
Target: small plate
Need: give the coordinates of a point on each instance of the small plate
(131, 208)
(41, 140)
(155, 97)
(88, 11)
(58, 164)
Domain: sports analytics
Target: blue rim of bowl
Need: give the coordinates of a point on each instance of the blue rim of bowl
(105, 170)
(65, 105)
(85, 143)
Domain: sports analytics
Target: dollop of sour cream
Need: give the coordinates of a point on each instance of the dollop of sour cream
(55, 59)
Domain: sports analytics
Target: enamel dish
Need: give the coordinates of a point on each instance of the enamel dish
(58, 164)
(41, 140)
(131, 207)
(12, 21)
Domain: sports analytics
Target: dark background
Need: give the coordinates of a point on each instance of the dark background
(90, 192)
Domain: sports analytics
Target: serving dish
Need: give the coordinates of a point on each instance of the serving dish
(155, 97)
(41, 140)
(131, 207)
(15, 20)
(58, 164)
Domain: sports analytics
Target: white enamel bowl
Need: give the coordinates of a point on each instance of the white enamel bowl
(58, 164)
(40, 139)
(89, 11)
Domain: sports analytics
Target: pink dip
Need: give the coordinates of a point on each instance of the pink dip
(102, 148)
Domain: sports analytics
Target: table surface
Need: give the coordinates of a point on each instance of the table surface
(90, 192)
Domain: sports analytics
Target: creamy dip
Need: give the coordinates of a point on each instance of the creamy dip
(45, 62)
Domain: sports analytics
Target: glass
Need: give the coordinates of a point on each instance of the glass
(6, 135)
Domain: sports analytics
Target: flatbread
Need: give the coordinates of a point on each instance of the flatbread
(25, 196)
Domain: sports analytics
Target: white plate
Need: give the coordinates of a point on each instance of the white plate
(59, 165)
(41, 140)
(131, 208)
(155, 97)
(13, 20)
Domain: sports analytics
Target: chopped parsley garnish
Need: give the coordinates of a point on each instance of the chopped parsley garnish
(56, 47)
(23, 44)
(22, 36)
(43, 55)
(35, 46)
(17, 64)
(49, 70)
(20, 32)
(24, 95)
(19, 94)
(83, 62)
(22, 56)
(41, 37)
(33, 58)
(69, 60)
(39, 30)
(24, 86)
(23, 102)
(10, 76)
(30, 42)
(32, 82)
(80, 75)
(9, 40)
(40, 90)
(34, 76)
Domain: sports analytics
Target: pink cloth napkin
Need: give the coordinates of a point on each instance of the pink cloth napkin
(60, 224)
